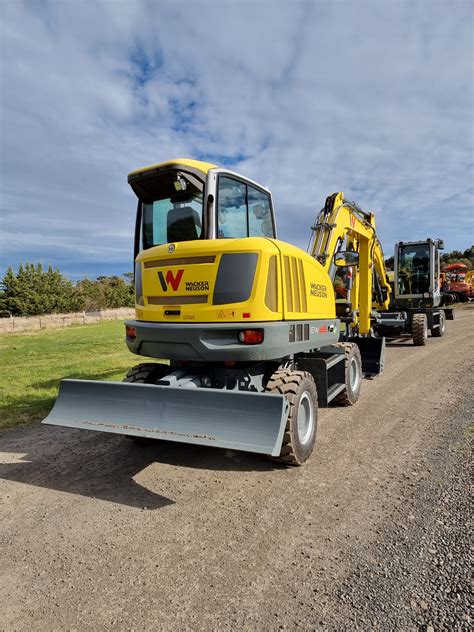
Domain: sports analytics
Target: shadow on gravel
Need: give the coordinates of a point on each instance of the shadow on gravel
(207, 458)
(98, 467)
(407, 342)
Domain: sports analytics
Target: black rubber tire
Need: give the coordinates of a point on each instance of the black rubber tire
(350, 395)
(438, 332)
(295, 385)
(419, 330)
(146, 373)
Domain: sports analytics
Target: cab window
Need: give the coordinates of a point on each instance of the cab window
(231, 208)
(242, 210)
(260, 213)
(414, 269)
(172, 219)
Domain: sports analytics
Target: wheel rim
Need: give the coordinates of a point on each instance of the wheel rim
(305, 418)
(442, 324)
(354, 375)
(425, 329)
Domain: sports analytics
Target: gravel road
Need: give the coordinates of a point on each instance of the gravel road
(371, 534)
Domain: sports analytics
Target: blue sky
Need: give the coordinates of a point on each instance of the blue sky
(371, 97)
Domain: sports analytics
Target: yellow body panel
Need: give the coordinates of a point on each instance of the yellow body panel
(306, 288)
(288, 283)
(194, 164)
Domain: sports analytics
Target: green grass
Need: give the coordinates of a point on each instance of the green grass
(33, 364)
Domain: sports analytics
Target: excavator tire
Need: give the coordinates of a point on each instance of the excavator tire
(300, 433)
(353, 373)
(438, 332)
(419, 330)
(146, 373)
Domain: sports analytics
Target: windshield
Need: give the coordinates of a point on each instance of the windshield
(172, 219)
(414, 269)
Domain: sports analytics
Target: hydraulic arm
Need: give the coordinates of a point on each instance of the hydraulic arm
(343, 226)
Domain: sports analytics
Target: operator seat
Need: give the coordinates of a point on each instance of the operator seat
(421, 277)
(182, 224)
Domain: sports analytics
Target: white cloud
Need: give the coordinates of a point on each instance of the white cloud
(372, 98)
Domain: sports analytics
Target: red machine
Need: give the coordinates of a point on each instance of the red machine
(455, 282)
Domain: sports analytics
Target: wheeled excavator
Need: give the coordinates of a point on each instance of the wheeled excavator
(418, 302)
(250, 325)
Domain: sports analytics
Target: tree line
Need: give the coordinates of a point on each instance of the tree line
(33, 291)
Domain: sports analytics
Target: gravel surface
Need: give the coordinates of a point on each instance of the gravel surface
(371, 534)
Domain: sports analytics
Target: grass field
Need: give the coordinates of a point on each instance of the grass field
(33, 364)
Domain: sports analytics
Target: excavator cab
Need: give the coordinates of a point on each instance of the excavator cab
(417, 272)
(183, 201)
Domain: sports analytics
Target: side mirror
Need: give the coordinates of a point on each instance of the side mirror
(346, 259)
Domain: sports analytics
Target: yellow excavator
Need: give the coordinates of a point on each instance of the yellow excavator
(255, 335)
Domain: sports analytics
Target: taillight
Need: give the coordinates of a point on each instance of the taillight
(251, 336)
(130, 331)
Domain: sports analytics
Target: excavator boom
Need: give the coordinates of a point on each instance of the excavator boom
(342, 225)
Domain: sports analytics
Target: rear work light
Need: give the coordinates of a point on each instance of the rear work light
(130, 331)
(251, 336)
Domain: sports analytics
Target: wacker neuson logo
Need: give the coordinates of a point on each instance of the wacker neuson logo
(169, 279)
(316, 289)
(197, 286)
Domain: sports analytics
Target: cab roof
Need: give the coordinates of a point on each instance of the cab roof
(199, 165)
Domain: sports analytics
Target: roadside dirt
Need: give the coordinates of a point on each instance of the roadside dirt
(372, 533)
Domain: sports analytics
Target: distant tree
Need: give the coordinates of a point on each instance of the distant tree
(32, 291)
(389, 263)
(456, 256)
(469, 254)
(118, 293)
(106, 292)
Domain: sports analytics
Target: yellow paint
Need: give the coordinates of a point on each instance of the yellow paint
(303, 288)
(194, 164)
(199, 279)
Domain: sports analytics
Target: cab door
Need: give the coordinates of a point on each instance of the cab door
(241, 207)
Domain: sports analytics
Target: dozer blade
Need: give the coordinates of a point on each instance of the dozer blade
(372, 351)
(253, 422)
